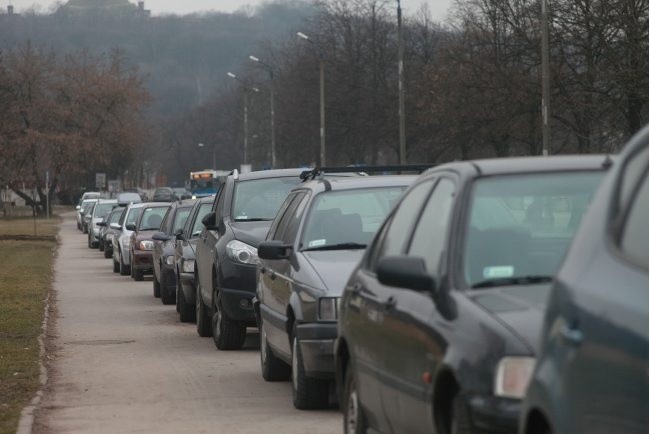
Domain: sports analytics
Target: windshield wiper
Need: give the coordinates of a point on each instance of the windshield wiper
(340, 246)
(253, 220)
(511, 281)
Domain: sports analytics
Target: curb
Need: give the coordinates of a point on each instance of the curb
(26, 423)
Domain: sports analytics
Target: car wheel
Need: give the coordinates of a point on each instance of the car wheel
(460, 421)
(90, 245)
(308, 393)
(203, 326)
(354, 421)
(125, 270)
(227, 333)
(156, 286)
(166, 296)
(273, 369)
(116, 265)
(138, 275)
(107, 253)
(186, 311)
(100, 245)
(178, 291)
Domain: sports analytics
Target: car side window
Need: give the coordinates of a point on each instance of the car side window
(166, 223)
(634, 233)
(218, 201)
(295, 216)
(284, 215)
(430, 235)
(395, 234)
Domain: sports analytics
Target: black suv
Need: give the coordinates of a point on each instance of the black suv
(440, 322)
(315, 242)
(226, 252)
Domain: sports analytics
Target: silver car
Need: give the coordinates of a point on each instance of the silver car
(102, 208)
(121, 242)
(85, 208)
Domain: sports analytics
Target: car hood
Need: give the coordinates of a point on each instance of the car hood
(252, 233)
(334, 267)
(519, 308)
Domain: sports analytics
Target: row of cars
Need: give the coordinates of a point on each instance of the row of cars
(445, 302)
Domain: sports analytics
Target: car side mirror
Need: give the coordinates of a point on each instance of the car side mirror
(115, 226)
(78, 207)
(130, 226)
(210, 221)
(159, 236)
(101, 224)
(405, 272)
(274, 250)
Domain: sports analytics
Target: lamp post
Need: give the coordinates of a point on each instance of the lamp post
(272, 91)
(400, 87)
(246, 90)
(322, 95)
(546, 87)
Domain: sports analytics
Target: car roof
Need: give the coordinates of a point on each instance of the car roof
(156, 204)
(94, 199)
(275, 173)
(138, 205)
(337, 184)
(521, 165)
(100, 201)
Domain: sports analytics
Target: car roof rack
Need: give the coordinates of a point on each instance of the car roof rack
(311, 174)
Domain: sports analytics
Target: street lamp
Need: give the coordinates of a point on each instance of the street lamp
(246, 90)
(546, 86)
(400, 86)
(272, 91)
(301, 35)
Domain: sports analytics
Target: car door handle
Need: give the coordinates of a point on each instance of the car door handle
(571, 336)
(390, 303)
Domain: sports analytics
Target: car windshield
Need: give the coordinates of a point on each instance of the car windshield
(198, 224)
(520, 226)
(102, 210)
(180, 218)
(116, 215)
(88, 207)
(133, 215)
(152, 218)
(347, 219)
(260, 199)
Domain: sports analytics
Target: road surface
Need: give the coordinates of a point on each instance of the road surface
(124, 363)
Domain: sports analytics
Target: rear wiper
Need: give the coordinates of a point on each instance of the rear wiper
(510, 281)
(340, 246)
(253, 220)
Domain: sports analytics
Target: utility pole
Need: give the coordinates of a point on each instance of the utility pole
(269, 68)
(245, 126)
(546, 90)
(400, 70)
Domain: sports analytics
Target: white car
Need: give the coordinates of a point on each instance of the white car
(102, 208)
(121, 258)
(83, 208)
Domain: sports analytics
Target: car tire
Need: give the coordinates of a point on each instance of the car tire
(166, 297)
(273, 369)
(178, 291)
(125, 270)
(308, 393)
(203, 326)
(116, 266)
(227, 333)
(354, 420)
(107, 253)
(90, 245)
(138, 275)
(460, 422)
(100, 245)
(187, 311)
(156, 286)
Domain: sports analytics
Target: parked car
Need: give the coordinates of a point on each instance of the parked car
(439, 323)
(164, 194)
(591, 374)
(141, 244)
(164, 244)
(127, 198)
(316, 239)
(85, 206)
(87, 212)
(107, 233)
(185, 259)
(101, 209)
(226, 253)
(85, 196)
(122, 240)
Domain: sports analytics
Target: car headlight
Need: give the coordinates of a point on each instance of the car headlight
(188, 266)
(328, 308)
(512, 376)
(242, 252)
(145, 245)
(169, 260)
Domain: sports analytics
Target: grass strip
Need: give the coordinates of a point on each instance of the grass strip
(25, 277)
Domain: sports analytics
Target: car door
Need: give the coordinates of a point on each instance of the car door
(413, 350)
(366, 326)
(158, 246)
(606, 332)
(205, 253)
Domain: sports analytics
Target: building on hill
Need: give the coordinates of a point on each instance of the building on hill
(111, 7)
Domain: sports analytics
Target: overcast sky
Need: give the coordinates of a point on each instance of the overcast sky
(438, 7)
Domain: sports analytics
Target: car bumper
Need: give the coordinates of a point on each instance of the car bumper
(491, 414)
(238, 305)
(142, 261)
(188, 287)
(317, 348)
(237, 287)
